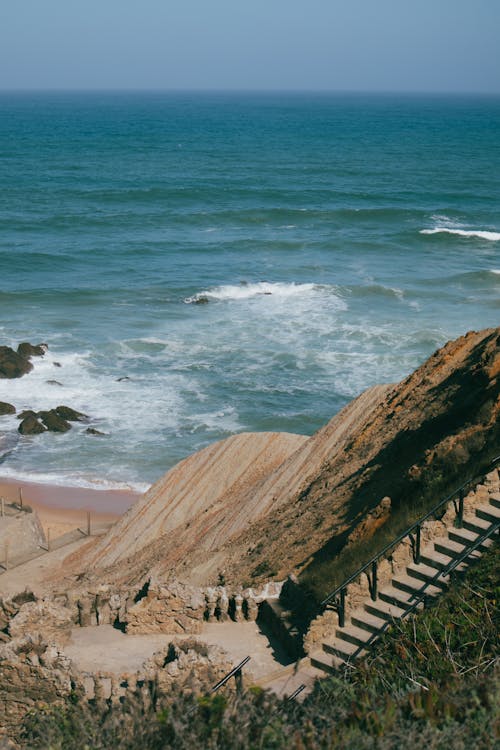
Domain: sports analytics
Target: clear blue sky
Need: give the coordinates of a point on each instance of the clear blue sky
(364, 45)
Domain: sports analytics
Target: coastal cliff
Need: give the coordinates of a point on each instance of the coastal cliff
(285, 503)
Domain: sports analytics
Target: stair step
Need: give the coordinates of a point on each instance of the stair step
(416, 585)
(495, 499)
(326, 662)
(466, 536)
(342, 649)
(353, 634)
(426, 573)
(435, 559)
(449, 547)
(384, 610)
(488, 512)
(476, 524)
(396, 596)
(457, 550)
(367, 621)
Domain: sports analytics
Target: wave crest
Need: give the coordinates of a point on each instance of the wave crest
(247, 291)
(479, 233)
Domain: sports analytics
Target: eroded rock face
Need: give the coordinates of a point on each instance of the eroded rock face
(12, 364)
(6, 408)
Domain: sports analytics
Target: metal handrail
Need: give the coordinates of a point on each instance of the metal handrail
(421, 595)
(233, 673)
(414, 527)
(296, 693)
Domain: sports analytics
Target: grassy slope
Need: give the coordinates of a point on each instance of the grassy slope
(431, 682)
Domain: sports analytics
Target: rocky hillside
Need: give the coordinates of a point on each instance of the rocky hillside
(245, 510)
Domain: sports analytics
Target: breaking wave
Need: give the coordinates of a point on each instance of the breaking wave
(246, 291)
(479, 233)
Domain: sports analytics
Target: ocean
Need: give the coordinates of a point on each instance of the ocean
(202, 264)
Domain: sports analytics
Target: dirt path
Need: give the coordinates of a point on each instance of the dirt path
(104, 648)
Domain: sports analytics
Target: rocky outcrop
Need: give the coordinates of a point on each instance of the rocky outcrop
(27, 350)
(12, 364)
(6, 408)
(69, 414)
(31, 426)
(43, 619)
(93, 431)
(53, 422)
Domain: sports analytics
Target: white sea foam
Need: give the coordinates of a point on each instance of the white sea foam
(246, 291)
(479, 233)
(71, 480)
(259, 289)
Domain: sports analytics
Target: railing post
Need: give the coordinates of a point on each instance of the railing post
(417, 546)
(373, 587)
(238, 678)
(342, 608)
(460, 514)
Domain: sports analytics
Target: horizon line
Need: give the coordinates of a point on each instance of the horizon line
(261, 91)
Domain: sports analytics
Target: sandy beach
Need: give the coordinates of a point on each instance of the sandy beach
(65, 508)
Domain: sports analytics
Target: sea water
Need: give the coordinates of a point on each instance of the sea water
(206, 264)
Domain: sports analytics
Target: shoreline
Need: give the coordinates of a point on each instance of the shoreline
(63, 508)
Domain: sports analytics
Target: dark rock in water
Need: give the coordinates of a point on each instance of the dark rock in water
(120, 380)
(53, 422)
(27, 413)
(12, 364)
(53, 382)
(93, 431)
(31, 426)
(71, 415)
(27, 350)
(6, 408)
(57, 364)
(201, 301)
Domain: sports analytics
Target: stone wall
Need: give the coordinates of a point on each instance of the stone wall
(32, 673)
(155, 607)
(191, 665)
(35, 672)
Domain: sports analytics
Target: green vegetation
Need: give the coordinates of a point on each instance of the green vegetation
(431, 682)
